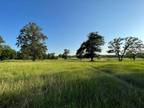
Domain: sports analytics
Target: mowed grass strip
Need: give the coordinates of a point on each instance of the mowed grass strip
(72, 84)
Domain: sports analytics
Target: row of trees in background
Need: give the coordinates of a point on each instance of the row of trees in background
(121, 47)
(65, 55)
(31, 42)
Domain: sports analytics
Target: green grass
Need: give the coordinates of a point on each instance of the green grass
(72, 84)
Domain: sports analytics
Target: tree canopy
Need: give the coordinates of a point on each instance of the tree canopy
(6, 52)
(120, 46)
(91, 46)
(65, 54)
(32, 41)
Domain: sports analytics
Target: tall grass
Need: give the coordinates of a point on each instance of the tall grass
(72, 84)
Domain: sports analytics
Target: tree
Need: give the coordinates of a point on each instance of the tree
(52, 56)
(1, 46)
(80, 51)
(141, 54)
(8, 53)
(135, 49)
(131, 55)
(91, 46)
(32, 41)
(65, 54)
(1, 40)
(19, 55)
(60, 55)
(120, 46)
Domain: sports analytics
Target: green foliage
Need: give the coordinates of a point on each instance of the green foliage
(140, 55)
(8, 53)
(31, 42)
(92, 45)
(1, 40)
(65, 54)
(51, 56)
(1, 46)
(121, 46)
(60, 55)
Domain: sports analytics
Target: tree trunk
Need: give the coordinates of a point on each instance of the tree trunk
(92, 55)
(120, 58)
(92, 59)
(34, 57)
(134, 57)
(1, 59)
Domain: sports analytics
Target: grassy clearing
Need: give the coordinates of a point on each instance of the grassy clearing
(72, 84)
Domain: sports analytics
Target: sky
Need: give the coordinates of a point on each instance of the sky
(68, 22)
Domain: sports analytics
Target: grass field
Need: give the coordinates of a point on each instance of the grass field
(72, 84)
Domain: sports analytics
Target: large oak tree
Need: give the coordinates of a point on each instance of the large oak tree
(120, 46)
(32, 41)
(91, 46)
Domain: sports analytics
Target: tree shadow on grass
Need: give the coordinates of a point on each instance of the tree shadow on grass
(133, 78)
(66, 90)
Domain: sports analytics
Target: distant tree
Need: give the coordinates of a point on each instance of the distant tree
(131, 55)
(135, 49)
(1, 46)
(51, 56)
(19, 55)
(60, 55)
(141, 54)
(65, 54)
(31, 41)
(1, 40)
(8, 53)
(92, 45)
(121, 46)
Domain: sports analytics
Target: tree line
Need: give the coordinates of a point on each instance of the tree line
(32, 45)
(120, 47)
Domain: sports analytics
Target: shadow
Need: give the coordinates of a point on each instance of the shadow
(134, 78)
(85, 60)
(104, 68)
(100, 88)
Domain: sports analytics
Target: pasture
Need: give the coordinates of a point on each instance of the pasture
(72, 84)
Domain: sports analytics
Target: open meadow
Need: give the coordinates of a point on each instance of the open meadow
(71, 84)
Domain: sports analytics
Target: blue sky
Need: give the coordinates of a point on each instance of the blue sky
(67, 22)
